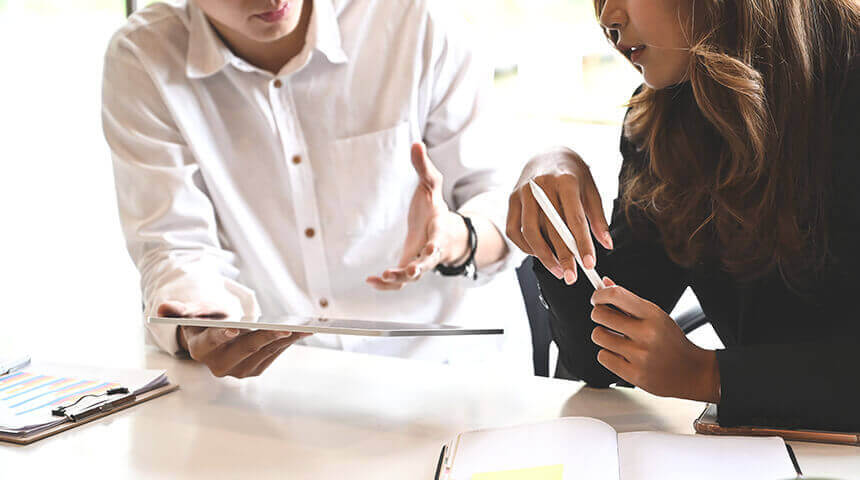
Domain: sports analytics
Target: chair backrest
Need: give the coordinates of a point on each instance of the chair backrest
(130, 7)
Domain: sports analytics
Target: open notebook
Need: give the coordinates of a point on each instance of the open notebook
(579, 447)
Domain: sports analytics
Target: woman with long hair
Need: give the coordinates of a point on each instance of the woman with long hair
(739, 179)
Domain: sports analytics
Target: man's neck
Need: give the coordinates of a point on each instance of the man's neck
(270, 56)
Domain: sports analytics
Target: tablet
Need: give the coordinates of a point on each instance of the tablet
(365, 328)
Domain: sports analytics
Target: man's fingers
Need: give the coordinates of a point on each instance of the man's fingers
(251, 366)
(172, 309)
(411, 249)
(427, 261)
(208, 340)
(380, 284)
(427, 172)
(288, 343)
(397, 278)
(226, 358)
(574, 217)
(534, 236)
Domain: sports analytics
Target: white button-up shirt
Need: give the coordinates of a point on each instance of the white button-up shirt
(282, 193)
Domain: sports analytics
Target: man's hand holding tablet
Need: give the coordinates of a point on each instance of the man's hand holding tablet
(227, 351)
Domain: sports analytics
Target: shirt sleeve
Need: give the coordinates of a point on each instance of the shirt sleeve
(803, 385)
(166, 215)
(458, 82)
(638, 263)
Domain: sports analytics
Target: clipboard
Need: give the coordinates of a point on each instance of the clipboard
(707, 424)
(38, 435)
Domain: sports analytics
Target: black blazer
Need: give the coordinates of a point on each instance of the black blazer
(789, 360)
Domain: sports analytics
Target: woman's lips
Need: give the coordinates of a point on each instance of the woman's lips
(274, 15)
(636, 55)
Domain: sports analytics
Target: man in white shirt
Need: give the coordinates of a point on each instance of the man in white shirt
(262, 153)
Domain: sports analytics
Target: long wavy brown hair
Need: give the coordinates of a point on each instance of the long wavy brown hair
(739, 153)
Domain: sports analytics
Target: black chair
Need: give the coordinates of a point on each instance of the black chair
(538, 316)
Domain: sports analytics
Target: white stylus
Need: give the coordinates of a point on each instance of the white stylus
(563, 232)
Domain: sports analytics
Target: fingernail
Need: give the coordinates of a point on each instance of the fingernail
(558, 272)
(608, 238)
(569, 277)
(416, 272)
(588, 261)
(232, 332)
(592, 301)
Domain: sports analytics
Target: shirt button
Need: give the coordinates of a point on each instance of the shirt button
(278, 83)
(297, 159)
(323, 302)
(310, 233)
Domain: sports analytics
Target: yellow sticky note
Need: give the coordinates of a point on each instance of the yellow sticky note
(551, 472)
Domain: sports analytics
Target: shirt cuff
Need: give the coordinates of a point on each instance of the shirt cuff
(219, 293)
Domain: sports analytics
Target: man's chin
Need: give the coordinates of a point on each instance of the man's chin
(271, 33)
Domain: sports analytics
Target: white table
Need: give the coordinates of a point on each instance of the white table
(319, 414)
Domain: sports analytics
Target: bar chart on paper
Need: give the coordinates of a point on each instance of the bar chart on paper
(28, 396)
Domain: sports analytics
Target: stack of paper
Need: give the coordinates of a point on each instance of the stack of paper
(27, 396)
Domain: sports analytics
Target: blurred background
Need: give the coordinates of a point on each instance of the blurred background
(65, 270)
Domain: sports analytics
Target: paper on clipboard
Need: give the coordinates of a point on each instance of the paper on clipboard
(27, 396)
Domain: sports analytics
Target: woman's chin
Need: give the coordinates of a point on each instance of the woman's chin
(659, 81)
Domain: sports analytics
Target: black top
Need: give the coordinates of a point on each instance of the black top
(789, 360)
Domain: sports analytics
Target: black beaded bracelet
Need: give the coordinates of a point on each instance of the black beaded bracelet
(468, 268)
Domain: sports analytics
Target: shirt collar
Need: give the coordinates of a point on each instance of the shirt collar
(207, 54)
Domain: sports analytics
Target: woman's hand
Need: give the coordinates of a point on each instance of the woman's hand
(643, 345)
(567, 181)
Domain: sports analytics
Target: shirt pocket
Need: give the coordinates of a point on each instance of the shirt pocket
(375, 181)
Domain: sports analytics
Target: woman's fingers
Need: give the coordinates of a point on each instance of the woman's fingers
(615, 320)
(615, 363)
(534, 236)
(562, 254)
(514, 228)
(613, 341)
(593, 205)
(624, 300)
(577, 201)
(573, 213)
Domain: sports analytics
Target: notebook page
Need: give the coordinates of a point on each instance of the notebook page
(584, 447)
(667, 456)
